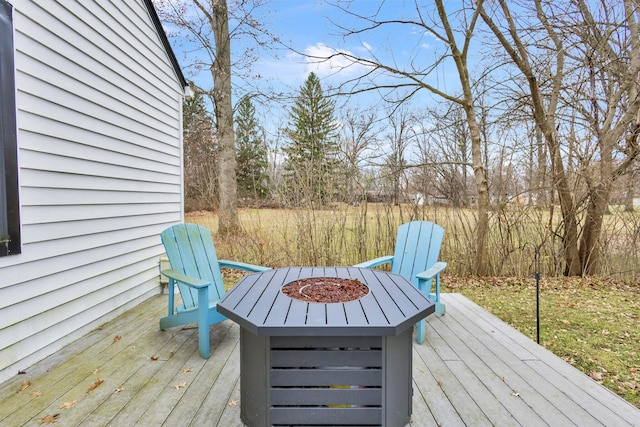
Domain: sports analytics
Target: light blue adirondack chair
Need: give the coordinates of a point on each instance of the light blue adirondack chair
(196, 269)
(416, 259)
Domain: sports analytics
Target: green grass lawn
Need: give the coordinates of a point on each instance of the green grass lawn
(593, 324)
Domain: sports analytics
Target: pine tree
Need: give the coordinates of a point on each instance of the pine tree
(199, 154)
(313, 147)
(251, 154)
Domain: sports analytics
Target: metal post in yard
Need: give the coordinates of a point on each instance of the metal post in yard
(537, 276)
(537, 264)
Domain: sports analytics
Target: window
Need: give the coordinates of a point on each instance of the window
(9, 204)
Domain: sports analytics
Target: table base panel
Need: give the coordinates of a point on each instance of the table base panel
(315, 380)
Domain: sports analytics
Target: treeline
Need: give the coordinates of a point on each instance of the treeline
(533, 103)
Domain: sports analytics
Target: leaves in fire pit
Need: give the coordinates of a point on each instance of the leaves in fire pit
(326, 289)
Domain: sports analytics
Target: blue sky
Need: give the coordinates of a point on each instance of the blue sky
(306, 26)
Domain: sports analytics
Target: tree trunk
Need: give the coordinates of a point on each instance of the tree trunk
(544, 112)
(629, 191)
(589, 248)
(540, 173)
(561, 184)
(228, 222)
(479, 171)
(480, 175)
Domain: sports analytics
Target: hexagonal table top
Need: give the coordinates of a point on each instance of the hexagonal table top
(391, 306)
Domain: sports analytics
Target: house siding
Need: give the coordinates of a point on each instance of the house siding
(99, 134)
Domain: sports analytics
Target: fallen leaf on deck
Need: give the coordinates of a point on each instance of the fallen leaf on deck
(186, 370)
(116, 339)
(439, 383)
(154, 358)
(23, 386)
(233, 402)
(49, 419)
(179, 386)
(68, 405)
(95, 385)
(119, 389)
(36, 393)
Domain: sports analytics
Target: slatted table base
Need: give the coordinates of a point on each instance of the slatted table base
(341, 381)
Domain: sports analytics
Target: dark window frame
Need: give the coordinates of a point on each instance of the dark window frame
(10, 243)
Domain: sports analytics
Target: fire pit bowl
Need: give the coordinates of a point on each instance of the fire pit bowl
(326, 289)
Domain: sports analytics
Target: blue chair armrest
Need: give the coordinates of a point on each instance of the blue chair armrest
(375, 262)
(431, 277)
(242, 266)
(431, 272)
(201, 285)
(189, 281)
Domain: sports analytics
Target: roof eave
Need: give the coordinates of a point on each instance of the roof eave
(165, 42)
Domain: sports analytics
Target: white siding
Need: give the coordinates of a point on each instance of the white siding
(99, 135)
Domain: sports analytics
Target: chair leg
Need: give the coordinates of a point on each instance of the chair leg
(421, 331)
(440, 308)
(203, 323)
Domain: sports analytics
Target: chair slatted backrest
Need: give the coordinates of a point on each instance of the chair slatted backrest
(191, 252)
(417, 248)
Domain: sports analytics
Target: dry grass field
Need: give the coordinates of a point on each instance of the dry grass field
(592, 323)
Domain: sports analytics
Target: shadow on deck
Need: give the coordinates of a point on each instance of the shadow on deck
(473, 370)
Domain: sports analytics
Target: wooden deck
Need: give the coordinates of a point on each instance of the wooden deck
(473, 370)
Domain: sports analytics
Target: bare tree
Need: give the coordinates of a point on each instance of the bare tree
(445, 156)
(204, 25)
(218, 18)
(591, 68)
(357, 141)
(399, 136)
(412, 77)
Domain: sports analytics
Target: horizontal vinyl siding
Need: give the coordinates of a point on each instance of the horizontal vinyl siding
(99, 118)
(30, 178)
(76, 257)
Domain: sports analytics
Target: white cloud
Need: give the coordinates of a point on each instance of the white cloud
(325, 60)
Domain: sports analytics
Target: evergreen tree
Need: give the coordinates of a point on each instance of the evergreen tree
(313, 147)
(199, 154)
(251, 154)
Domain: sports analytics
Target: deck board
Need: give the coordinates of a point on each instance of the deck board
(473, 370)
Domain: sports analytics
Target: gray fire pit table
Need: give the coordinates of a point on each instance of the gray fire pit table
(306, 363)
